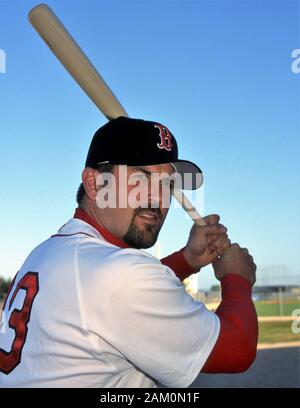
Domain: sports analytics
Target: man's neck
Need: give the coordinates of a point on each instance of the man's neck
(92, 214)
(89, 218)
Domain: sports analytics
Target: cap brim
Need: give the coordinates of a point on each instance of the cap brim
(191, 175)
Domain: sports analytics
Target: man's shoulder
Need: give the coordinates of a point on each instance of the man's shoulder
(76, 227)
(102, 255)
(99, 259)
(111, 265)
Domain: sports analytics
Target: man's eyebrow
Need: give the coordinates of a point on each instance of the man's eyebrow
(149, 172)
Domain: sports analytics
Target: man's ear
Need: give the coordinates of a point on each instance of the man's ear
(88, 177)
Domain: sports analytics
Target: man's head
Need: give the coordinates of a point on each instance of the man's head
(127, 183)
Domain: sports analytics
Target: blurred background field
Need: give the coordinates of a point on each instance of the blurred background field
(275, 308)
(275, 321)
(276, 332)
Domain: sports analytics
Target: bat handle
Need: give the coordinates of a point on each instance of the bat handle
(188, 207)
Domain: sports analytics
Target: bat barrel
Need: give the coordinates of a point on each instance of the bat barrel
(74, 60)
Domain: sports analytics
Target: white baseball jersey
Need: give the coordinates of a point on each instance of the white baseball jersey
(83, 312)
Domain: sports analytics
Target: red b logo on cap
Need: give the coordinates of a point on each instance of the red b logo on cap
(165, 137)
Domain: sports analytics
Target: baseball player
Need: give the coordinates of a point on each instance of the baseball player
(90, 308)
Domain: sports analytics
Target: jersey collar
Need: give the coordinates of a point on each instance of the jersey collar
(108, 236)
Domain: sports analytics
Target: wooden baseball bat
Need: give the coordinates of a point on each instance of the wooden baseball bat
(85, 74)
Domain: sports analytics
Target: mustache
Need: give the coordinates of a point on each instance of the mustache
(156, 211)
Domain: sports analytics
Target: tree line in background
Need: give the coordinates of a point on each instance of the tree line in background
(4, 286)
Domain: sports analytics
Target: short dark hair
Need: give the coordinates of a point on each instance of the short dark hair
(102, 168)
(80, 194)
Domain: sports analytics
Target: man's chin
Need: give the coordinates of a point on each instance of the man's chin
(148, 244)
(140, 239)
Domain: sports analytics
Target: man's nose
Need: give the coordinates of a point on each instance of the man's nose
(154, 195)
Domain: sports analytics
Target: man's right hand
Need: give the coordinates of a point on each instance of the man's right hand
(235, 260)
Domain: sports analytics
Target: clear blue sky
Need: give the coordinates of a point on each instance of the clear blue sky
(217, 73)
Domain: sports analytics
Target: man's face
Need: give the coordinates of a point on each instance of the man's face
(148, 194)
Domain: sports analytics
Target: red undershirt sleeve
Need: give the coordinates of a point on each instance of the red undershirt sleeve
(179, 265)
(235, 349)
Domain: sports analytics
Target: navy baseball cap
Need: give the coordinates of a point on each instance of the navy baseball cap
(137, 142)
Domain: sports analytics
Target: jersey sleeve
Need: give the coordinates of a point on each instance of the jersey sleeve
(150, 319)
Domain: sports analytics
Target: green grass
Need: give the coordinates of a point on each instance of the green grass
(276, 332)
(272, 309)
